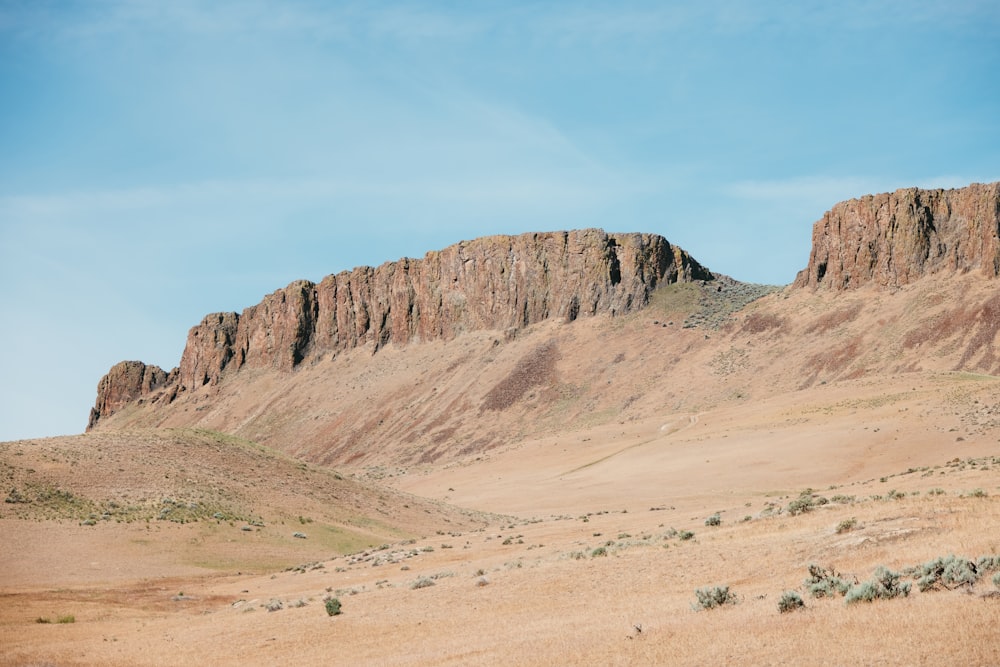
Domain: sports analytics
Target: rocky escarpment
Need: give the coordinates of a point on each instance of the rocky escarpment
(893, 239)
(500, 283)
(127, 381)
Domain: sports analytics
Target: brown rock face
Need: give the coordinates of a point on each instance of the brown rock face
(499, 282)
(893, 239)
(124, 383)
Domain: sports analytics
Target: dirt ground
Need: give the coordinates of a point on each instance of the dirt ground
(587, 567)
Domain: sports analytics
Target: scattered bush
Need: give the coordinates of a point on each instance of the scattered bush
(685, 535)
(988, 563)
(996, 579)
(790, 601)
(714, 520)
(805, 502)
(823, 583)
(599, 551)
(710, 598)
(422, 582)
(332, 607)
(68, 618)
(948, 572)
(885, 585)
(846, 525)
(15, 496)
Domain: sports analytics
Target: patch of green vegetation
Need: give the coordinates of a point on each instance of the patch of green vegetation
(806, 502)
(790, 601)
(38, 500)
(675, 298)
(847, 525)
(332, 606)
(710, 598)
(67, 618)
(825, 583)
(341, 540)
(884, 585)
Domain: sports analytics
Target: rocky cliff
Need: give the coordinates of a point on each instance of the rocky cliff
(499, 283)
(127, 381)
(893, 239)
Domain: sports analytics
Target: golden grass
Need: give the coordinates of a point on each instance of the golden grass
(542, 605)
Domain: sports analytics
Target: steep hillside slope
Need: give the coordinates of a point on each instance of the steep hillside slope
(692, 346)
(496, 283)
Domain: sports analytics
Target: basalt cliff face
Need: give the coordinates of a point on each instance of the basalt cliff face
(893, 239)
(489, 342)
(499, 283)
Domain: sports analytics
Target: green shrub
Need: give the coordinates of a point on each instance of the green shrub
(846, 525)
(996, 579)
(790, 601)
(988, 563)
(884, 585)
(68, 618)
(710, 598)
(948, 572)
(599, 551)
(333, 607)
(799, 506)
(805, 502)
(685, 535)
(714, 520)
(825, 583)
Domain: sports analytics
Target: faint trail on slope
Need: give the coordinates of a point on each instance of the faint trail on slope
(692, 420)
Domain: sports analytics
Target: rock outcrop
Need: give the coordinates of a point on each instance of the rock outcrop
(127, 381)
(499, 282)
(893, 239)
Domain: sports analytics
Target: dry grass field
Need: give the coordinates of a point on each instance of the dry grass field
(743, 455)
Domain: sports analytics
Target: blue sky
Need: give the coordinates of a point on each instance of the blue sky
(163, 160)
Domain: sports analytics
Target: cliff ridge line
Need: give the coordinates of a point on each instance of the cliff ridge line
(495, 282)
(893, 239)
